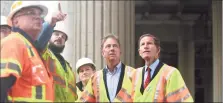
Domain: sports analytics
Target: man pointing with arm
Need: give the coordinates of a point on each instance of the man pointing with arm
(64, 78)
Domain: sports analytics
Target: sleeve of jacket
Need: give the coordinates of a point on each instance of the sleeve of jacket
(44, 36)
(12, 58)
(87, 95)
(176, 89)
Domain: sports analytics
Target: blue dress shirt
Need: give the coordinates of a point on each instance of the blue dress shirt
(152, 67)
(112, 80)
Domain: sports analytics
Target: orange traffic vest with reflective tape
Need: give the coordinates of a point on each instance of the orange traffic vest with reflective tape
(33, 80)
(95, 90)
(167, 86)
(64, 82)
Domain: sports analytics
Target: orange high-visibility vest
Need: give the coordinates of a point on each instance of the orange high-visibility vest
(167, 86)
(95, 90)
(33, 80)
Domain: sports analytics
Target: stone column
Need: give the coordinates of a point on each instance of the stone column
(186, 56)
(217, 50)
(91, 21)
(222, 49)
(69, 51)
(5, 7)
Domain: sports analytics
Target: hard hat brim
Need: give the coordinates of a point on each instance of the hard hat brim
(61, 32)
(92, 64)
(12, 13)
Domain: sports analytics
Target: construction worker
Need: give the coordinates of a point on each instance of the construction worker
(85, 69)
(24, 77)
(5, 28)
(64, 79)
(157, 81)
(113, 83)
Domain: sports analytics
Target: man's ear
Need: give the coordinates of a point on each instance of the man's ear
(158, 53)
(15, 22)
(159, 50)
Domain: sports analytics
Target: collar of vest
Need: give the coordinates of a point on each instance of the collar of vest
(119, 83)
(80, 86)
(159, 66)
(23, 33)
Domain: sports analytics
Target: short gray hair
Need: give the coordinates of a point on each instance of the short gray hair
(115, 37)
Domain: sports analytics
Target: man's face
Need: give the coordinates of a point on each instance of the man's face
(5, 31)
(29, 19)
(58, 39)
(57, 42)
(111, 50)
(148, 49)
(85, 73)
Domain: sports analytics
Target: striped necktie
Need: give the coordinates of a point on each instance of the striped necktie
(148, 78)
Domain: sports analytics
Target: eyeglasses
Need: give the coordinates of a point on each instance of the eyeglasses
(30, 13)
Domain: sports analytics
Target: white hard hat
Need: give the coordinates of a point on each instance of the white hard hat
(18, 5)
(60, 26)
(3, 20)
(84, 61)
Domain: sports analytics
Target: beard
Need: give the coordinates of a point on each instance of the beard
(56, 49)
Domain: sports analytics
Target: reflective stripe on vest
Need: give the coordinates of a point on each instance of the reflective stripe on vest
(58, 79)
(38, 95)
(98, 85)
(160, 85)
(167, 86)
(22, 99)
(136, 76)
(29, 49)
(31, 89)
(173, 95)
(11, 66)
(38, 91)
(170, 96)
(90, 97)
(123, 96)
(62, 82)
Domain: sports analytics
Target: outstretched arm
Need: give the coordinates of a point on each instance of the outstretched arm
(44, 37)
(48, 26)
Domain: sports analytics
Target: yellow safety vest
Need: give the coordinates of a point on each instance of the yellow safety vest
(79, 92)
(167, 86)
(64, 82)
(95, 90)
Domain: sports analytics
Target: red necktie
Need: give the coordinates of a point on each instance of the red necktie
(147, 79)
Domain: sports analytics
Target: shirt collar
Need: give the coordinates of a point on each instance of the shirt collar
(153, 65)
(117, 68)
(16, 29)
